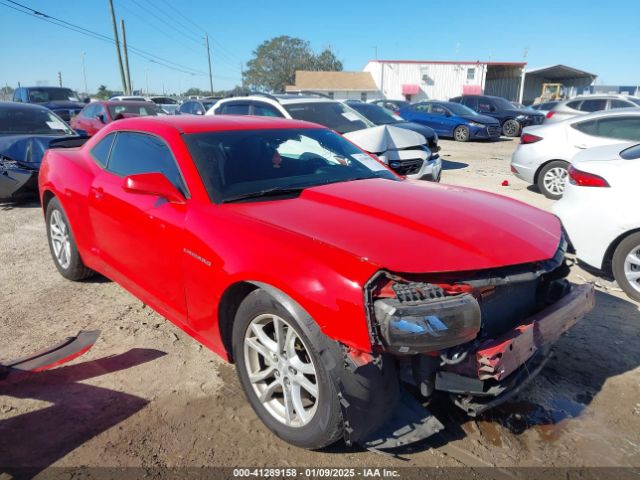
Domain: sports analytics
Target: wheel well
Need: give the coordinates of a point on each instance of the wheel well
(608, 256)
(46, 198)
(535, 177)
(229, 303)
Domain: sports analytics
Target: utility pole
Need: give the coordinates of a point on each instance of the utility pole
(84, 74)
(127, 72)
(60, 79)
(117, 44)
(206, 37)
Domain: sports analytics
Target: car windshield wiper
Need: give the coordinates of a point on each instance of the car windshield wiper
(265, 193)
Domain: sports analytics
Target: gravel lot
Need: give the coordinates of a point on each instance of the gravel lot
(147, 395)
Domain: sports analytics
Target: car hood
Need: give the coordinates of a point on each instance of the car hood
(485, 119)
(26, 149)
(415, 227)
(384, 138)
(523, 111)
(426, 132)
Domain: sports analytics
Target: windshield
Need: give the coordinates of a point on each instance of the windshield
(44, 95)
(334, 115)
(164, 101)
(17, 121)
(459, 109)
(240, 163)
(502, 103)
(132, 109)
(374, 113)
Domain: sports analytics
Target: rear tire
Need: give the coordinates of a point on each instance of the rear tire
(552, 178)
(626, 266)
(63, 245)
(278, 377)
(461, 134)
(510, 128)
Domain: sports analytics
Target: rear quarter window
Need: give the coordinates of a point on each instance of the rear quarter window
(590, 127)
(575, 104)
(100, 152)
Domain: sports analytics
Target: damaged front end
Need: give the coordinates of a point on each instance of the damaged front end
(476, 337)
(17, 180)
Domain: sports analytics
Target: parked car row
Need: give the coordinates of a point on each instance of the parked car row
(408, 150)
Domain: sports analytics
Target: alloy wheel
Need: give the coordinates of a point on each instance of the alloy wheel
(281, 370)
(511, 128)
(632, 268)
(59, 232)
(554, 180)
(461, 134)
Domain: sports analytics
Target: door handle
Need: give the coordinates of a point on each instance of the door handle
(97, 193)
(581, 146)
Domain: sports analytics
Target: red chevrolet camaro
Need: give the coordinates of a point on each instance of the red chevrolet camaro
(331, 282)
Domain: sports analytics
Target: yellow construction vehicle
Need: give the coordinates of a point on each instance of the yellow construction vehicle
(550, 91)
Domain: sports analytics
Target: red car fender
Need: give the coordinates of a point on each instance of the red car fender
(326, 282)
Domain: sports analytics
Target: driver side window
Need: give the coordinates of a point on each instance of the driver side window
(134, 153)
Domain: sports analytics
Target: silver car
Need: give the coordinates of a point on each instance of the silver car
(589, 104)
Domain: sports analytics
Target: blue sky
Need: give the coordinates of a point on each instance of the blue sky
(595, 37)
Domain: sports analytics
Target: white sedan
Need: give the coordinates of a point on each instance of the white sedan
(600, 213)
(544, 152)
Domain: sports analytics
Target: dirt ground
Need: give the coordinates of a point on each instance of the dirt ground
(147, 395)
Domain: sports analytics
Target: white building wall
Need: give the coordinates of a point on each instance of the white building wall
(435, 80)
(353, 95)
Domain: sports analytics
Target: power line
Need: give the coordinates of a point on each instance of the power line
(148, 21)
(169, 24)
(232, 57)
(98, 36)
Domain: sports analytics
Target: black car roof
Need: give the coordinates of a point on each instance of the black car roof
(21, 106)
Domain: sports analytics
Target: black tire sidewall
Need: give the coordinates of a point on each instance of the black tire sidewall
(543, 172)
(326, 425)
(76, 269)
(617, 264)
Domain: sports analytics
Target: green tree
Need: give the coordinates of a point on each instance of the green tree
(6, 92)
(326, 61)
(103, 93)
(275, 62)
(195, 92)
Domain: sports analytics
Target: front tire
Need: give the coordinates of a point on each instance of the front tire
(510, 128)
(282, 372)
(461, 134)
(626, 265)
(552, 179)
(62, 244)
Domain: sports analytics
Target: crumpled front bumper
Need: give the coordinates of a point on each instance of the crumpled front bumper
(500, 367)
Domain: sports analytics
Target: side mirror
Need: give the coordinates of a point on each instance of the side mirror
(447, 113)
(87, 100)
(100, 117)
(153, 184)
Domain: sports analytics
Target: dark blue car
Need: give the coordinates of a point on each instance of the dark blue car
(453, 120)
(512, 119)
(26, 131)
